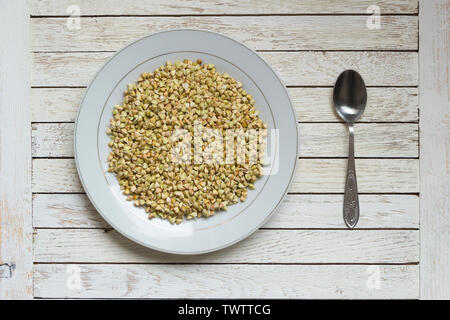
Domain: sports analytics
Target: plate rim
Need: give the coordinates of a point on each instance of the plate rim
(250, 230)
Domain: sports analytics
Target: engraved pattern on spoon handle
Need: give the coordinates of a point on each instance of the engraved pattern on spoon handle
(351, 201)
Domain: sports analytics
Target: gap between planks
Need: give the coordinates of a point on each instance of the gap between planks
(362, 14)
(259, 51)
(290, 192)
(234, 263)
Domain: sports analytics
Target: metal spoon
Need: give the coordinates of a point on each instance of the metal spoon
(350, 97)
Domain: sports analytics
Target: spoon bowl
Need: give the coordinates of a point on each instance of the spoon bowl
(350, 96)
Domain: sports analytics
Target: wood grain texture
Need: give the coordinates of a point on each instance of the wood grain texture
(311, 176)
(296, 211)
(311, 104)
(202, 7)
(372, 140)
(295, 68)
(228, 281)
(261, 33)
(435, 150)
(55, 104)
(69, 230)
(383, 105)
(374, 175)
(264, 246)
(15, 153)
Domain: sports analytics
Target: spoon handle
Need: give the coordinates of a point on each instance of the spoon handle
(351, 202)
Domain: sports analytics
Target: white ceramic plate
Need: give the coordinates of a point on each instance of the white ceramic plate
(106, 90)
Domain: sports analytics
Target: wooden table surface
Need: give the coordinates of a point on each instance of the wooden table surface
(304, 251)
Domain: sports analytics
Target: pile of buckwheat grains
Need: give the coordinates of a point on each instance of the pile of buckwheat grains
(175, 97)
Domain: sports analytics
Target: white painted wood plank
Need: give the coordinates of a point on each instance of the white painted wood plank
(316, 140)
(296, 211)
(52, 140)
(311, 176)
(322, 68)
(59, 175)
(374, 175)
(264, 246)
(261, 33)
(228, 281)
(371, 140)
(295, 68)
(311, 104)
(383, 105)
(179, 7)
(325, 211)
(65, 211)
(15, 153)
(434, 150)
(55, 104)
